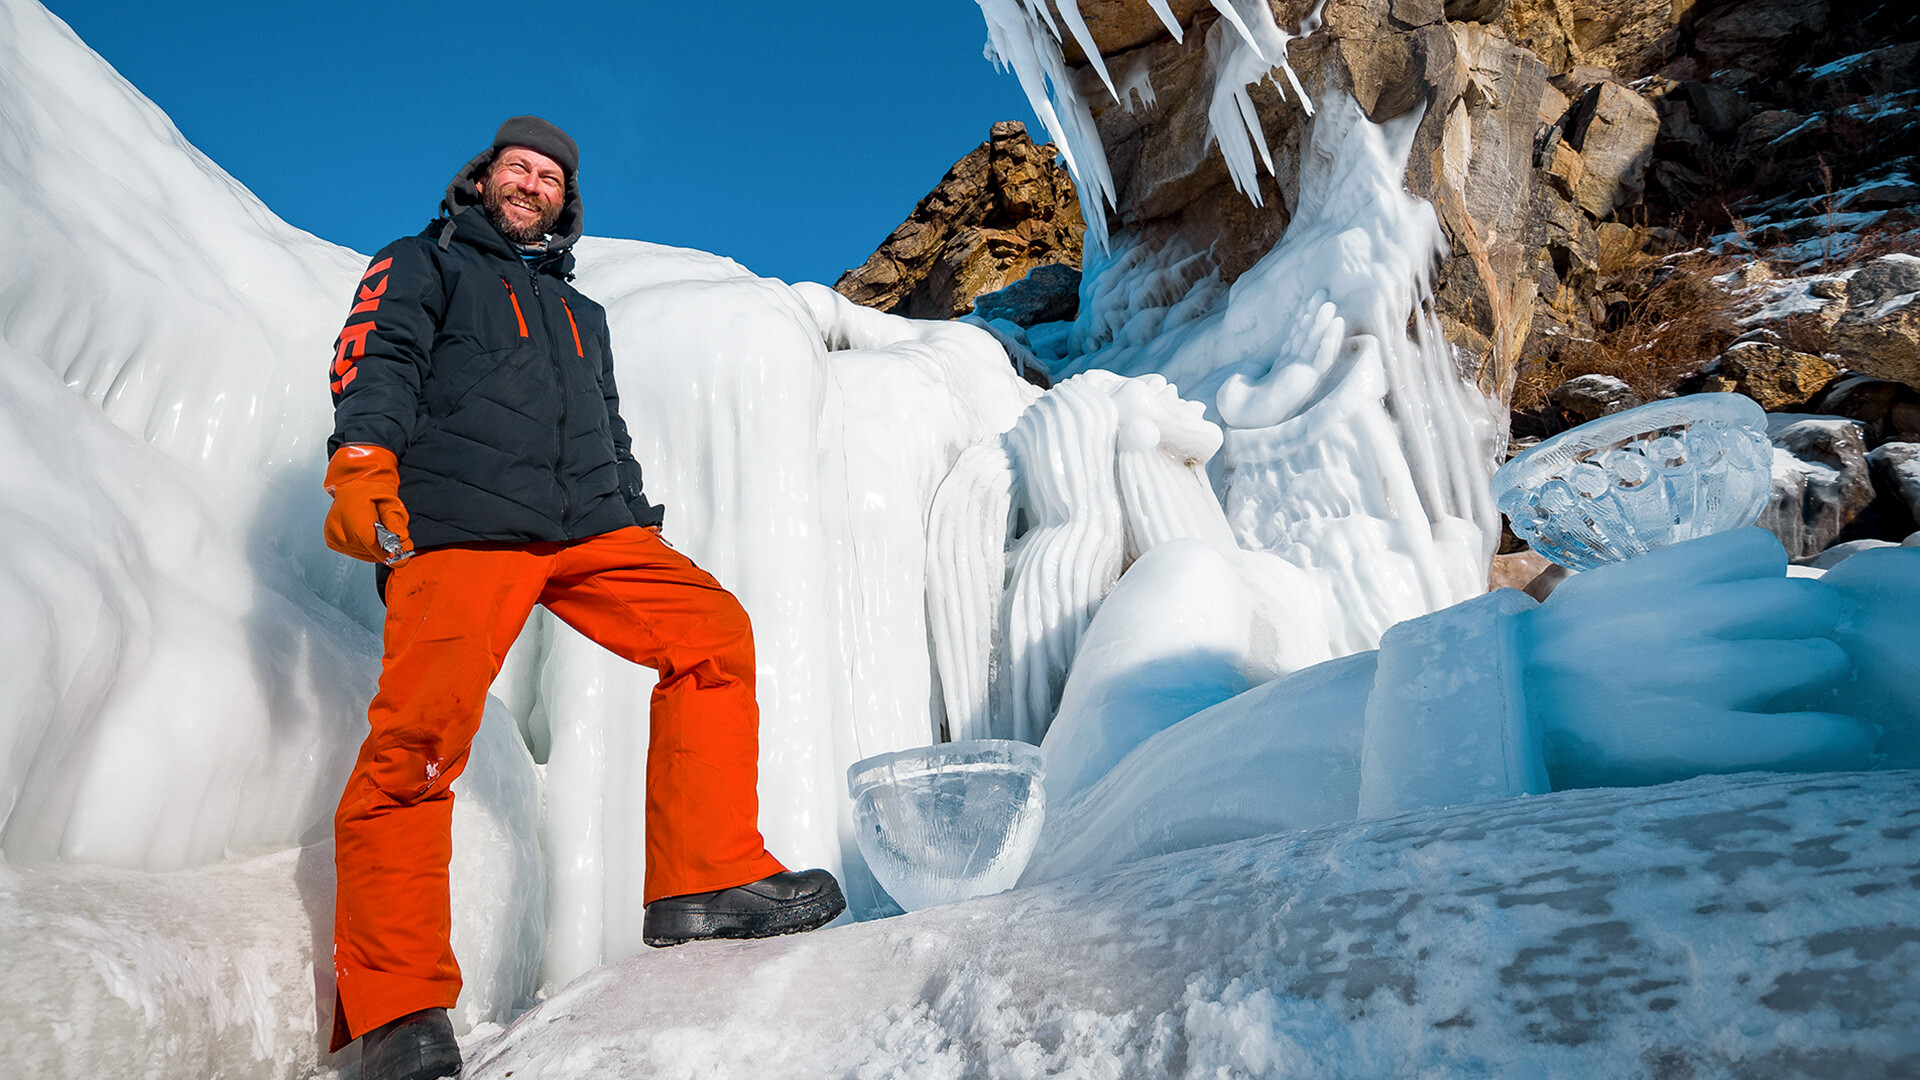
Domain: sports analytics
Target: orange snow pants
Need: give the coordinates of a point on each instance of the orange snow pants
(452, 613)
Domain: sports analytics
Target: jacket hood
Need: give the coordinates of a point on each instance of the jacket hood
(463, 194)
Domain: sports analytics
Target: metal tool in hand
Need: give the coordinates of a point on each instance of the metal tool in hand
(390, 543)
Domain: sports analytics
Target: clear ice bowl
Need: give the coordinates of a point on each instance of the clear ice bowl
(1646, 478)
(948, 822)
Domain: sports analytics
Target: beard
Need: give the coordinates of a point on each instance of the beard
(494, 199)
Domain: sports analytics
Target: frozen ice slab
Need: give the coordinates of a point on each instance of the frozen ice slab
(1730, 926)
(949, 822)
(1642, 479)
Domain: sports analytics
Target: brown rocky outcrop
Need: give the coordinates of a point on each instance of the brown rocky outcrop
(1566, 145)
(1880, 333)
(1002, 210)
(1777, 377)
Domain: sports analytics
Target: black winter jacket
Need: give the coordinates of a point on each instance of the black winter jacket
(492, 382)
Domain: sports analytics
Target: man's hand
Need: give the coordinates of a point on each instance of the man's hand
(364, 481)
(1698, 658)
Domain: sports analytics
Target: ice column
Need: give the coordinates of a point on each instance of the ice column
(1063, 450)
(1096, 473)
(966, 576)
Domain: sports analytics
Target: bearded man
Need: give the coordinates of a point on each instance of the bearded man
(480, 461)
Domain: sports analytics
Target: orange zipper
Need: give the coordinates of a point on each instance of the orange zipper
(574, 326)
(515, 297)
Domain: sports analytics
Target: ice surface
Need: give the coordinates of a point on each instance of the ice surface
(1749, 926)
(1642, 479)
(1701, 657)
(948, 822)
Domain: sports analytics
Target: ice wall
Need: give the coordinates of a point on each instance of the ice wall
(193, 665)
(176, 690)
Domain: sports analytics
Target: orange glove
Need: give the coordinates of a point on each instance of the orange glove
(364, 481)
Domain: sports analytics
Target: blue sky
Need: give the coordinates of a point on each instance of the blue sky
(790, 136)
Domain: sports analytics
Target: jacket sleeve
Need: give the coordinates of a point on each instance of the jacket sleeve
(645, 514)
(381, 358)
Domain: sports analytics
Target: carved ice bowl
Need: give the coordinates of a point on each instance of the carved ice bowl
(948, 822)
(1646, 478)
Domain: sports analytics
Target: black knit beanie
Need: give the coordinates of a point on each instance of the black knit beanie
(537, 134)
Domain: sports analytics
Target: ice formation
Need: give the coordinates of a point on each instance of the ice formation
(1035, 529)
(1353, 449)
(1243, 56)
(1023, 35)
(1741, 926)
(1703, 657)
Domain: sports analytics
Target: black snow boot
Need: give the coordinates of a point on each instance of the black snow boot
(785, 903)
(418, 1046)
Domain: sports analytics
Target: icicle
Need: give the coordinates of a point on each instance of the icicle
(1226, 9)
(1028, 42)
(1239, 62)
(1161, 9)
(1137, 80)
(1070, 14)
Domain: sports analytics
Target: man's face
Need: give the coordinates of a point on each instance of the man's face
(523, 193)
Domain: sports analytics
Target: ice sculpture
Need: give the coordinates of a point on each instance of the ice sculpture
(1702, 657)
(1097, 472)
(1626, 484)
(948, 822)
(1352, 447)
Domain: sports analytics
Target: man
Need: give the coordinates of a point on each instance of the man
(479, 459)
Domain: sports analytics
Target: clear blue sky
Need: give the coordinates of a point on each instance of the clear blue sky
(791, 136)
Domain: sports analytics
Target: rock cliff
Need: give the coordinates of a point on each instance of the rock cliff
(1001, 211)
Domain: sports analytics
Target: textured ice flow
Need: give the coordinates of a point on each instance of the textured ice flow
(948, 822)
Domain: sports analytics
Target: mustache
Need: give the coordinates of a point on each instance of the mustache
(495, 200)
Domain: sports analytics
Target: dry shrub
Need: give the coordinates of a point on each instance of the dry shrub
(1671, 320)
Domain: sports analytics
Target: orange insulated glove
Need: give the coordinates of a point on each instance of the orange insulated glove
(365, 484)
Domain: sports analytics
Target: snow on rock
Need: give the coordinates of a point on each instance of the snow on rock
(1745, 926)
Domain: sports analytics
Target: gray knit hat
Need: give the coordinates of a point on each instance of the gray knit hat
(537, 134)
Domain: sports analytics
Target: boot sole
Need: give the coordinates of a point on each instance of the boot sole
(674, 927)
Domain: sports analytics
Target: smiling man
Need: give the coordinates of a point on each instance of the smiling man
(480, 461)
